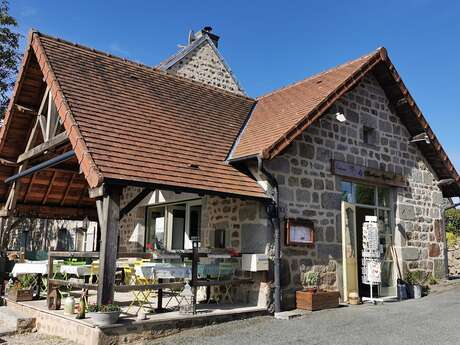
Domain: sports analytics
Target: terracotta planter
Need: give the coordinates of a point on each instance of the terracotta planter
(19, 295)
(317, 300)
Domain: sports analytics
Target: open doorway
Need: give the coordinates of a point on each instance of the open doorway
(359, 201)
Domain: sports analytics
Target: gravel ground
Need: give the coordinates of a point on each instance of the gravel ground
(34, 339)
(430, 320)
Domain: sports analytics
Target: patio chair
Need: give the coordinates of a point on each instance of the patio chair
(225, 273)
(94, 273)
(140, 298)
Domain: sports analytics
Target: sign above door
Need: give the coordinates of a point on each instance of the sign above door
(367, 174)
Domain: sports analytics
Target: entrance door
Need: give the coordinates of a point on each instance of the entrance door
(349, 250)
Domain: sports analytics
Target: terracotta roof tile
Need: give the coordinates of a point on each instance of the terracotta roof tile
(142, 125)
(279, 112)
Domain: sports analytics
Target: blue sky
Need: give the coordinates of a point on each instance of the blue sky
(269, 44)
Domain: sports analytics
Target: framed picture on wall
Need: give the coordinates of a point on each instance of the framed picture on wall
(299, 232)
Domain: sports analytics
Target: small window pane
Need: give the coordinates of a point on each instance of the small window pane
(195, 222)
(384, 197)
(347, 189)
(365, 194)
(156, 231)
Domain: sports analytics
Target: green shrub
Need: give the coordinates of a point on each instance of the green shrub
(452, 239)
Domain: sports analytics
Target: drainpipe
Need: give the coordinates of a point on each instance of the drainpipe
(273, 213)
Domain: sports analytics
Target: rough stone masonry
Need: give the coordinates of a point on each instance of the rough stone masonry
(309, 190)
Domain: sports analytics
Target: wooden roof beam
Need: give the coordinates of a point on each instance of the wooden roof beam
(42, 148)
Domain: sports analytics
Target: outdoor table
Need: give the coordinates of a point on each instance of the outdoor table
(154, 270)
(30, 267)
(33, 270)
(76, 270)
(162, 271)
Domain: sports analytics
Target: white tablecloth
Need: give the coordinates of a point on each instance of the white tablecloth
(77, 270)
(163, 271)
(31, 267)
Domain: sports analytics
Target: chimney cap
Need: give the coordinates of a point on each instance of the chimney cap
(207, 28)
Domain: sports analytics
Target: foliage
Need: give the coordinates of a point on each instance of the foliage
(9, 54)
(19, 284)
(452, 239)
(105, 308)
(452, 218)
(310, 279)
(420, 278)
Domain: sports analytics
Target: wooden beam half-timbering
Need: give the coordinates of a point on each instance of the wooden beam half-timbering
(55, 212)
(42, 148)
(96, 192)
(109, 213)
(133, 203)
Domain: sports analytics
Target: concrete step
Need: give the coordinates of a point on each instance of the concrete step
(291, 314)
(11, 321)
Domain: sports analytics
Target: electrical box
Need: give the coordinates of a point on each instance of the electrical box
(254, 262)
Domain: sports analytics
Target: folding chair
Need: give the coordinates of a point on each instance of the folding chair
(226, 272)
(140, 298)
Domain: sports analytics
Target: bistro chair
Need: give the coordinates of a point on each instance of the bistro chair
(226, 273)
(140, 298)
(94, 273)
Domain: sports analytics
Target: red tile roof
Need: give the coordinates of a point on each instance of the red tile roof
(133, 123)
(280, 113)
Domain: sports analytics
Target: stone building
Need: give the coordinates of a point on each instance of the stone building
(291, 175)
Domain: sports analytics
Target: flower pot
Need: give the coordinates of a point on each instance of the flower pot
(417, 291)
(317, 300)
(104, 318)
(19, 295)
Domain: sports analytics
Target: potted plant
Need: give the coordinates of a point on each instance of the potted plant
(18, 291)
(311, 297)
(416, 283)
(310, 281)
(104, 315)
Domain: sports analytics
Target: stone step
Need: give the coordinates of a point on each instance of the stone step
(11, 321)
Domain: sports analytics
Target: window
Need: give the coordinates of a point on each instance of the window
(369, 135)
(174, 226)
(365, 195)
(155, 238)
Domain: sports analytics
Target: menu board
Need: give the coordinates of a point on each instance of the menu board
(371, 270)
(299, 232)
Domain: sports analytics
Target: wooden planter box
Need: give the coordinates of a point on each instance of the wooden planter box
(317, 300)
(18, 295)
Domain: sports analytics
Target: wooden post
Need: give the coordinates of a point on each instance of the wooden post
(109, 214)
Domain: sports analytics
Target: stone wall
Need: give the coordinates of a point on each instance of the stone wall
(132, 226)
(204, 65)
(309, 190)
(454, 260)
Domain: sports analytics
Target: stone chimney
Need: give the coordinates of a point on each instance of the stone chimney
(207, 30)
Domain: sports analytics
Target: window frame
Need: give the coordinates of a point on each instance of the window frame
(168, 221)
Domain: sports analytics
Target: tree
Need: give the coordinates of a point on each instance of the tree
(452, 218)
(9, 54)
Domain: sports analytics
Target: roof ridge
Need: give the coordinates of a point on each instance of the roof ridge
(138, 64)
(288, 86)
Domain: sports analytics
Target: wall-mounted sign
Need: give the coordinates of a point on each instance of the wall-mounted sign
(299, 232)
(360, 172)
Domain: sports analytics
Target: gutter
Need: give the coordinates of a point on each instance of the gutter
(273, 213)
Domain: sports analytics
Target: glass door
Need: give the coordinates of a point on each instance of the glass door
(349, 250)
